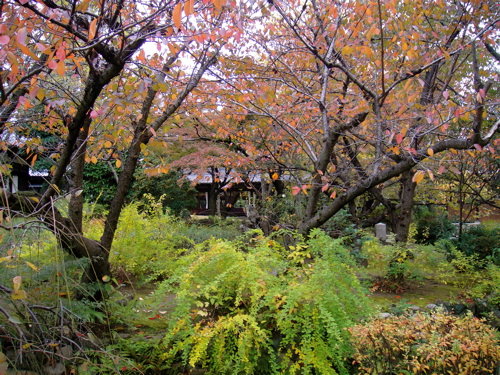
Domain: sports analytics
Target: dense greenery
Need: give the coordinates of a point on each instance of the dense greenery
(99, 184)
(251, 306)
(481, 241)
(100, 179)
(432, 226)
(231, 303)
(179, 198)
(149, 243)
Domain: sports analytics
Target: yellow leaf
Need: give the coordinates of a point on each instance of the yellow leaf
(404, 45)
(33, 266)
(431, 175)
(347, 50)
(93, 159)
(275, 176)
(108, 144)
(83, 6)
(17, 283)
(5, 259)
(19, 294)
(118, 163)
(40, 94)
(176, 15)
(430, 151)
(418, 176)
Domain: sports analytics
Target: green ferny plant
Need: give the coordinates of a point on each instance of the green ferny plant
(260, 311)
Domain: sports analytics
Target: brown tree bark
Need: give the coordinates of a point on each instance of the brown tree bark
(404, 215)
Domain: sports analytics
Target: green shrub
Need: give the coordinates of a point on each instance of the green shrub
(213, 227)
(149, 241)
(246, 307)
(99, 183)
(397, 267)
(481, 241)
(165, 189)
(426, 344)
(147, 245)
(432, 226)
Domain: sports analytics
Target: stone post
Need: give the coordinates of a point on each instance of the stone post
(381, 232)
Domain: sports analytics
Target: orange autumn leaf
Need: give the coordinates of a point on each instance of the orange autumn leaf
(188, 7)
(93, 29)
(60, 68)
(176, 15)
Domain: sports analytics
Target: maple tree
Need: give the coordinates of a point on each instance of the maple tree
(359, 94)
(110, 77)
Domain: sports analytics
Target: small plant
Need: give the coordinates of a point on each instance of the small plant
(392, 264)
(426, 344)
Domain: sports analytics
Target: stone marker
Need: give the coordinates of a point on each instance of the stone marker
(381, 232)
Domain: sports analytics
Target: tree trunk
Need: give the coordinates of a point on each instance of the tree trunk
(404, 217)
(212, 199)
(75, 209)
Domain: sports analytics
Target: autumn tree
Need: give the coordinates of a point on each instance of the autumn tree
(367, 91)
(111, 77)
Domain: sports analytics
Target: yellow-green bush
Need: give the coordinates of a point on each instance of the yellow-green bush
(435, 343)
(146, 244)
(249, 306)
